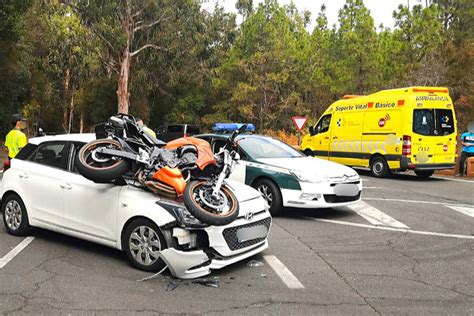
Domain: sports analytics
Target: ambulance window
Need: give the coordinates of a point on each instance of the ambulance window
(445, 121)
(323, 124)
(423, 121)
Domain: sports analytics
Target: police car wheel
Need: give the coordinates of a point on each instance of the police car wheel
(379, 167)
(15, 217)
(271, 193)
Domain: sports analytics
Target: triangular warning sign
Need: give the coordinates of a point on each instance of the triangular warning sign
(299, 122)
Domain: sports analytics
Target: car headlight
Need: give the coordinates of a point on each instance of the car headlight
(308, 177)
(182, 215)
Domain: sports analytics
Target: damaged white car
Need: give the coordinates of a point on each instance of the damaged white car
(41, 188)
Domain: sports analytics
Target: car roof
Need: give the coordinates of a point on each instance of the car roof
(84, 138)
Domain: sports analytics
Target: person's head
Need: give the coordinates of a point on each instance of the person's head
(18, 121)
(139, 121)
(470, 127)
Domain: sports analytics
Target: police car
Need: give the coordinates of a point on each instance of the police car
(285, 176)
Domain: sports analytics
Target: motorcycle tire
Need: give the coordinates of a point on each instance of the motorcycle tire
(100, 172)
(198, 208)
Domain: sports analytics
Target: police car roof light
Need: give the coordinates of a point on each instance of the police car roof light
(231, 127)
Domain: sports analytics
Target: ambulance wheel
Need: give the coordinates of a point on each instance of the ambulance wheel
(379, 167)
(424, 174)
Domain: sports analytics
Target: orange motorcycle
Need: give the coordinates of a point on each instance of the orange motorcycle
(185, 168)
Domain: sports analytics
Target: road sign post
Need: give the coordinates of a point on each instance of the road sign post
(299, 122)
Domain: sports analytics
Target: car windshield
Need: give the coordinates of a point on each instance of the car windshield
(263, 147)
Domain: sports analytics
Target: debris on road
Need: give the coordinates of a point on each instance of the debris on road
(206, 282)
(154, 275)
(173, 284)
(254, 263)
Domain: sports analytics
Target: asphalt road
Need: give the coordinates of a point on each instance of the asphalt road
(422, 264)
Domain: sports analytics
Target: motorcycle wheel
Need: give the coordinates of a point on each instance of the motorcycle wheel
(214, 211)
(100, 169)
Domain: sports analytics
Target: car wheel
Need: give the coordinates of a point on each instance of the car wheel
(379, 167)
(424, 174)
(15, 216)
(142, 241)
(271, 193)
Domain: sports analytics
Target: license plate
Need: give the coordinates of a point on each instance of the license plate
(250, 233)
(346, 189)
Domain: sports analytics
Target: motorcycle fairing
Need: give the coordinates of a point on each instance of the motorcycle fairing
(172, 177)
(205, 155)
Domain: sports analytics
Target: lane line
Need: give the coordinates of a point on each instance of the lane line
(417, 202)
(375, 216)
(451, 179)
(15, 251)
(401, 230)
(469, 211)
(283, 272)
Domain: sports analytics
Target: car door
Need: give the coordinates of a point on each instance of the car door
(321, 137)
(41, 181)
(90, 208)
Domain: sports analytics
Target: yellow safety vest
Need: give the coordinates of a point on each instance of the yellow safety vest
(15, 141)
(149, 131)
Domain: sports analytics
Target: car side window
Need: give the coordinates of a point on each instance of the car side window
(51, 154)
(323, 124)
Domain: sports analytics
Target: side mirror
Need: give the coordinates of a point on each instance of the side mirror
(311, 130)
(116, 122)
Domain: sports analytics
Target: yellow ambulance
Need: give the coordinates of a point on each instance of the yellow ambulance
(391, 130)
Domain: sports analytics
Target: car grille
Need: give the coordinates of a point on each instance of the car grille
(230, 234)
(332, 198)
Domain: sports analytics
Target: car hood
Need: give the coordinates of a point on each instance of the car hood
(312, 165)
(242, 191)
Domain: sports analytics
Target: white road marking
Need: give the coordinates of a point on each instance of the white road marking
(365, 180)
(375, 216)
(469, 211)
(15, 251)
(417, 202)
(283, 272)
(452, 179)
(401, 230)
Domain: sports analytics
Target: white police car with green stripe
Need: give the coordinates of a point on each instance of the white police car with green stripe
(285, 176)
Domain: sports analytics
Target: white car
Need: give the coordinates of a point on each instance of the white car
(288, 178)
(41, 188)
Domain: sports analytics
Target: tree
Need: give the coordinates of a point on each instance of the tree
(125, 28)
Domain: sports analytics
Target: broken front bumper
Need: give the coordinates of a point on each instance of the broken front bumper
(195, 264)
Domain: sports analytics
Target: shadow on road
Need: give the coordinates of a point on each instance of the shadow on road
(401, 176)
(322, 213)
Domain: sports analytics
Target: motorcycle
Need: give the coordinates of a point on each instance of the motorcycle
(183, 168)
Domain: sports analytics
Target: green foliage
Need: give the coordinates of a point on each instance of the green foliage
(205, 68)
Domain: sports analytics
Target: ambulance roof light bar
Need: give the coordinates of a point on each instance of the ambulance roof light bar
(231, 127)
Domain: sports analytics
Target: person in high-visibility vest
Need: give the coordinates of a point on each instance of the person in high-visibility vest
(145, 128)
(16, 139)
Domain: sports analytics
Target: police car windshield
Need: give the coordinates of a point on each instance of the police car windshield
(265, 147)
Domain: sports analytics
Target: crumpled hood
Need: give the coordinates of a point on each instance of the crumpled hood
(314, 166)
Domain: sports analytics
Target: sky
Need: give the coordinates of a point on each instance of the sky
(381, 10)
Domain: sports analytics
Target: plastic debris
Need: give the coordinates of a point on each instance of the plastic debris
(173, 284)
(254, 263)
(206, 282)
(154, 275)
